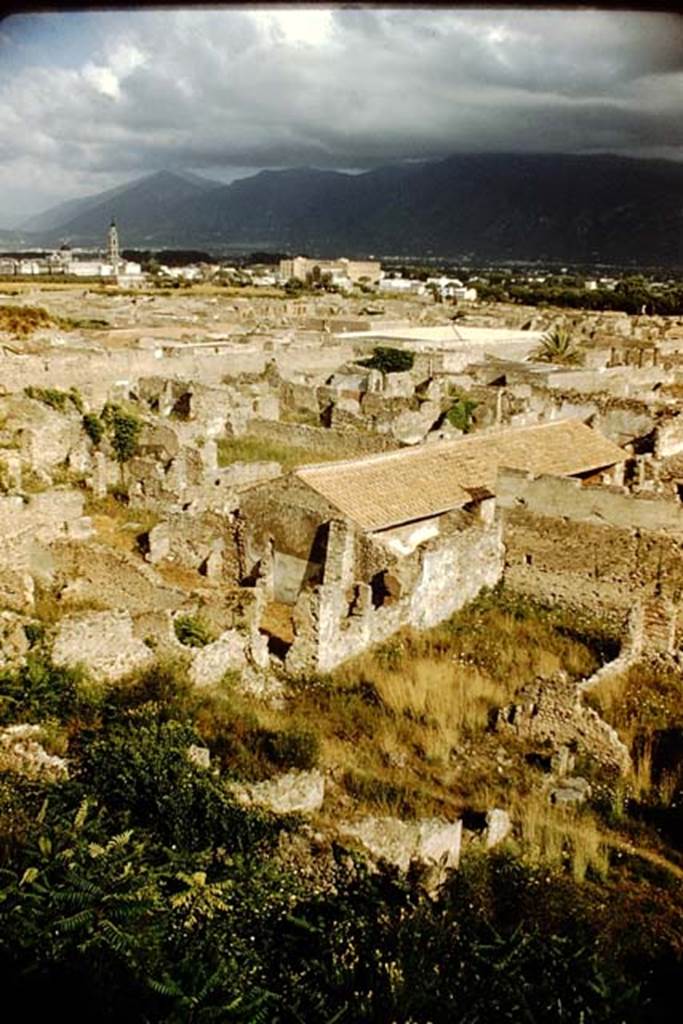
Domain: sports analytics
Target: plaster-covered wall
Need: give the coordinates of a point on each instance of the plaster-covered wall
(337, 620)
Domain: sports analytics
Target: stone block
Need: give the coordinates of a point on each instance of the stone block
(158, 543)
(17, 591)
(292, 793)
(21, 751)
(199, 756)
(498, 826)
(431, 842)
(210, 663)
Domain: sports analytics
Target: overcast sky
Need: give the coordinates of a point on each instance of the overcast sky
(90, 100)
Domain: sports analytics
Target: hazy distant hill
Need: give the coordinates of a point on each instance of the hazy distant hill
(144, 210)
(487, 205)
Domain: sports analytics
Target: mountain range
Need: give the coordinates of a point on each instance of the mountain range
(598, 208)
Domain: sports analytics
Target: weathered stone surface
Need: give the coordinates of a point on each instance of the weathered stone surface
(13, 643)
(21, 751)
(431, 842)
(199, 756)
(158, 542)
(16, 590)
(101, 641)
(292, 793)
(210, 663)
(498, 827)
(571, 790)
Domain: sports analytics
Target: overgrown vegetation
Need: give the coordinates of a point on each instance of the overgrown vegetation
(56, 399)
(557, 346)
(94, 427)
(193, 631)
(141, 885)
(23, 321)
(460, 413)
(123, 429)
(258, 449)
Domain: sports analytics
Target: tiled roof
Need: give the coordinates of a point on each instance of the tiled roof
(384, 490)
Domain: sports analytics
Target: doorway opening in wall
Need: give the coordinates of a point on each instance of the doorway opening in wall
(679, 491)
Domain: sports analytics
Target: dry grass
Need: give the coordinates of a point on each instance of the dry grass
(118, 525)
(406, 724)
(430, 703)
(561, 838)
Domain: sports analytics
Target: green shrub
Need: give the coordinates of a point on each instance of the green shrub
(139, 767)
(389, 360)
(124, 430)
(39, 689)
(460, 414)
(292, 748)
(53, 397)
(93, 427)
(192, 631)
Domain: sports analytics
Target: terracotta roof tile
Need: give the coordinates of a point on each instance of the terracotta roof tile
(384, 490)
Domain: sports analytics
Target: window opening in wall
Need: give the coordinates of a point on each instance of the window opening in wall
(528, 559)
(385, 589)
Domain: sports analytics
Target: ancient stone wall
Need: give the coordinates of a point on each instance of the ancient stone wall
(593, 548)
(669, 438)
(345, 616)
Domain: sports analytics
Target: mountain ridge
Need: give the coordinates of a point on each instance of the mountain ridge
(600, 207)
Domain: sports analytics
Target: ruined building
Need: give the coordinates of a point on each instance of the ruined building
(357, 549)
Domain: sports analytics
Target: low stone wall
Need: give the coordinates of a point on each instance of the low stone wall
(602, 506)
(103, 642)
(550, 712)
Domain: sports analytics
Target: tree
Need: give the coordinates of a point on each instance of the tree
(389, 360)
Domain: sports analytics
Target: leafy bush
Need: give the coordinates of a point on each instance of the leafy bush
(192, 631)
(39, 689)
(139, 768)
(389, 360)
(292, 748)
(94, 427)
(460, 414)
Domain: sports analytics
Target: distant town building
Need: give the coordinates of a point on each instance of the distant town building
(402, 286)
(355, 271)
(64, 261)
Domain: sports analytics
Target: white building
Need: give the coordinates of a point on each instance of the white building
(402, 286)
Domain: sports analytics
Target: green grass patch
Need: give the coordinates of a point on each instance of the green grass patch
(258, 449)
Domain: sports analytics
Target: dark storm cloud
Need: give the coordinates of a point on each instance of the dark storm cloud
(225, 90)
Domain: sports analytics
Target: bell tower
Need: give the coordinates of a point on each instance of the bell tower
(113, 246)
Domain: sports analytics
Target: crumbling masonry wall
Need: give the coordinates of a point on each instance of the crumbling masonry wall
(339, 619)
(594, 548)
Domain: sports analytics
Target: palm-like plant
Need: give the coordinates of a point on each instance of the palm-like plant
(557, 347)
